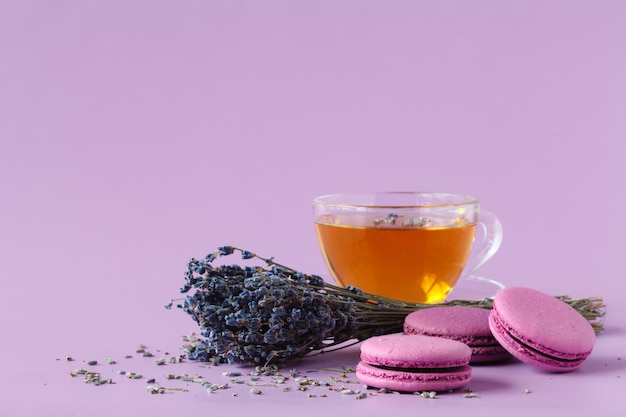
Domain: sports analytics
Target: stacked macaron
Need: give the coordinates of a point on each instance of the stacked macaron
(438, 344)
(469, 325)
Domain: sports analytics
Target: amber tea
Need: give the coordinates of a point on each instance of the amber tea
(416, 264)
(408, 246)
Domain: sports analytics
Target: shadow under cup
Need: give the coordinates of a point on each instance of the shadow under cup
(411, 246)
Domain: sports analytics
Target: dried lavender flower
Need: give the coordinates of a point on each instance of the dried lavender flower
(262, 314)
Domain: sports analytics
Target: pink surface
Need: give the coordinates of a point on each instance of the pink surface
(137, 134)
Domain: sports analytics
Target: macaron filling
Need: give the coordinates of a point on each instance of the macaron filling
(420, 370)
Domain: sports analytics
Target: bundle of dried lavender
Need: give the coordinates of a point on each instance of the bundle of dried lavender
(275, 313)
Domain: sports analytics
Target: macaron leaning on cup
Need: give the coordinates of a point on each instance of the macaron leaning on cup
(412, 363)
(541, 330)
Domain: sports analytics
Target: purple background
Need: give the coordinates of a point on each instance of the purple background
(137, 134)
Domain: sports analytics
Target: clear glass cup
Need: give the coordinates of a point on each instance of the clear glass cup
(409, 246)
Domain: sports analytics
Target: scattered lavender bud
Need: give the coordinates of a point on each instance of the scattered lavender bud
(255, 391)
(153, 389)
(92, 362)
(95, 378)
(279, 379)
(428, 394)
(303, 380)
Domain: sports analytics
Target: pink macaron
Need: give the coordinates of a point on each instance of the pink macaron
(541, 330)
(413, 363)
(469, 325)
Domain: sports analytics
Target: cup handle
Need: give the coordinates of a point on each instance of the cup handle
(489, 229)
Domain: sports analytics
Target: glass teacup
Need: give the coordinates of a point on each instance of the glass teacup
(409, 246)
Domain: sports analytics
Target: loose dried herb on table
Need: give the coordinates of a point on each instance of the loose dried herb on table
(273, 313)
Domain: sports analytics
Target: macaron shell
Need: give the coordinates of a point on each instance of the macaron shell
(540, 329)
(493, 353)
(414, 351)
(528, 355)
(469, 325)
(398, 380)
